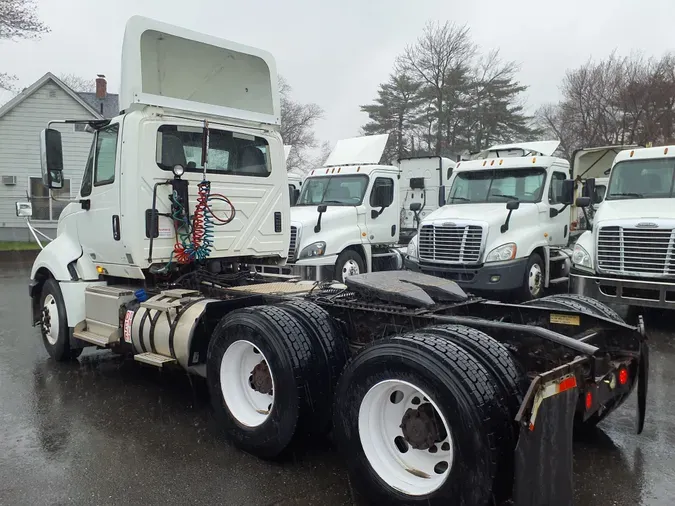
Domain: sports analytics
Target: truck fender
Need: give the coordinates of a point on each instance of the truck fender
(55, 258)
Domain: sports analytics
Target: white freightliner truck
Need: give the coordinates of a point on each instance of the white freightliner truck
(448, 399)
(506, 225)
(628, 256)
(354, 214)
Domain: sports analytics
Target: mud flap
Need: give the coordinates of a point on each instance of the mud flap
(543, 461)
(643, 382)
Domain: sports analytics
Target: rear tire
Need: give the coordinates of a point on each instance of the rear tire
(452, 389)
(331, 352)
(592, 305)
(508, 381)
(261, 404)
(572, 302)
(349, 263)
(54, 323)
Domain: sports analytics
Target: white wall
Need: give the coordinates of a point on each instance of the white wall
(20, 151)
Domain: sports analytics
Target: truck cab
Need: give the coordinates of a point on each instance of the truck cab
(347, 213)
(191, 172)
(626, 256)
(506, 224)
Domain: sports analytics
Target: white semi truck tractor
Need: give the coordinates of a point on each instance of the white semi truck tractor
(627, 257)
(448, 399)
(506, 225)
(355, 215)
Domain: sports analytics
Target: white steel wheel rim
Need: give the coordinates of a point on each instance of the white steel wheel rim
(249, 406)
(413, 472)
(52, 310)
(350, 268)
(534, 279)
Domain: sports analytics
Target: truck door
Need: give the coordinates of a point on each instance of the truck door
(559, 225)
(98, 226)
(382, 217)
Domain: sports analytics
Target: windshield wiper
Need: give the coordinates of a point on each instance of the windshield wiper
(636, 195)
(464, 199)
(332, 202)
(513, 197)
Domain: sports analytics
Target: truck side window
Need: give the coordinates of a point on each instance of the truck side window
(385, 186)
(85, 186)
(555, 190)
(106, 155)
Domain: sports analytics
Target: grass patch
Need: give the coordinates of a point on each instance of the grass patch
(18, 246)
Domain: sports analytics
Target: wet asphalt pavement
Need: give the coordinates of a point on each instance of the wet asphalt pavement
(105, 430)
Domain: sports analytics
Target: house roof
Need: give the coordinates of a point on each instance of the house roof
(108, 107)
(37, 85)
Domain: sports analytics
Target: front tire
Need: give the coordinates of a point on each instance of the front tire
(54, 323)
(533, 282)
(415, 418)
(349, 263)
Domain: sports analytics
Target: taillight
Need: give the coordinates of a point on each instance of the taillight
(623, 376)
(589, 400)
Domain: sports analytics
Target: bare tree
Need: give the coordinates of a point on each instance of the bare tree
(297, 127)
(18, 20)
(619, 100)
(77, 83)
(440, 59)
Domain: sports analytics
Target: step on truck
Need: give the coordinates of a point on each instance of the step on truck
(433, 396)
(627, 258)
(355, 215)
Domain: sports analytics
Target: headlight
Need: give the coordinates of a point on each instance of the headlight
(503, 252)
(315, 249)
(581, 257)
(412, 248)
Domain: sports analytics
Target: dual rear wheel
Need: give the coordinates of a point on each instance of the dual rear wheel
(420, 418)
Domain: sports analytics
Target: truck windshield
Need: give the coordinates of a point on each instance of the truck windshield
(642, 179)
(345, 190)
(229, 152)
(525, 185)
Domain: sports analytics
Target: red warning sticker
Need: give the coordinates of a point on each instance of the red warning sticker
(128, 319)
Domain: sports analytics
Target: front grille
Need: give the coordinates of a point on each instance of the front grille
(292, 245)
(635, 250)
(451, 244)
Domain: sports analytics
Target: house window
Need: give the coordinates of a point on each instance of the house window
(45, 208)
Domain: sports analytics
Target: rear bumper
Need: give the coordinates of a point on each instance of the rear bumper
(497, 277)
(630, 292)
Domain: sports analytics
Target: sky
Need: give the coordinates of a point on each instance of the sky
(337, 53)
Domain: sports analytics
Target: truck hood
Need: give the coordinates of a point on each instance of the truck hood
(335, 217)
(635, 209)
(489, 213)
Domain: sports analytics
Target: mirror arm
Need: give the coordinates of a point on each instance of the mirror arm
(505, 226)
(317, 227)
(589, 225)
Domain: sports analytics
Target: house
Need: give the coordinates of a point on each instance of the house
(21, 120)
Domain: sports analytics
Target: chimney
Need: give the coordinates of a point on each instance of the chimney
(101, 86)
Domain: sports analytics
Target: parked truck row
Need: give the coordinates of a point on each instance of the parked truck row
(433, 395)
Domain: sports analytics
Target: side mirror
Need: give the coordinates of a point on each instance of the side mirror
(512, 205)
(322, 208)
(583, 202)
(567, 192)
(589, 188)
(441, 195)
(51, 158)
(415, 206)
(24, 209)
